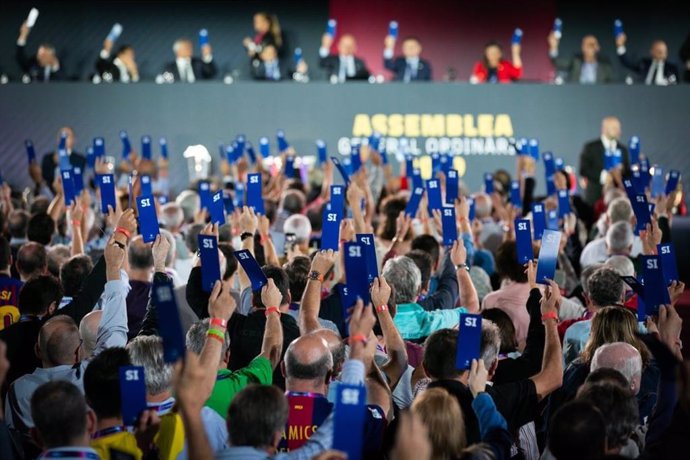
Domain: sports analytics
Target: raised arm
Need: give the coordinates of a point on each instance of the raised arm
(355, 195)
(272, 344)
(468, 294)
(308, 318)
(266, 241)
(221, 306)
(393, 341)
(247, 226)
(76, 215)
(551, 375)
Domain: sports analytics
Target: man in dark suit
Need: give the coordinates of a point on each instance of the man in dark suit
(344, 66)
(586, 67)
(50, 160)
(410, 66)
(655, 69)
(44, 66)
(592, 172)
(187, 68)
(122, 68)
(266, 66)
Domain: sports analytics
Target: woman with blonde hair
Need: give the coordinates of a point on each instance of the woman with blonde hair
(266, 32)
(440, 413)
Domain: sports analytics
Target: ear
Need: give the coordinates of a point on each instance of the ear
(52, 307)
(226, 356)
(493, 367)
(282, 369)
(91, 421)
(587, 301)
(277, 436)
(289, 298)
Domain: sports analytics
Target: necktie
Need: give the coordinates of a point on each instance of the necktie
(190, 73)
(651, 75)
(342, 72)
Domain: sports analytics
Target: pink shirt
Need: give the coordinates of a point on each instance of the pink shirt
(512, 299)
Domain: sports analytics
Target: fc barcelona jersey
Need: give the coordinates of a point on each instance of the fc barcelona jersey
(9, 300)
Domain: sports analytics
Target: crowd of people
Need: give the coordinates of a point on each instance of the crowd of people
(564, 368)
(269, 60)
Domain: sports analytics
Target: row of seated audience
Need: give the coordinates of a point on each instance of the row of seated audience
(269, 63)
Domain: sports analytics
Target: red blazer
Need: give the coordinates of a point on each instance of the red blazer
(506, 72)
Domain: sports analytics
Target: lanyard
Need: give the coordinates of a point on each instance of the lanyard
(69, 453)
(107, 432)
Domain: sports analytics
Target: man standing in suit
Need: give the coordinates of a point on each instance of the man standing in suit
(586, 67)
(408, 67)
(121, 68)
(187, 68)
(344, 66)
(655, 69)
(44, 66)
(49, 164)
(592, 172)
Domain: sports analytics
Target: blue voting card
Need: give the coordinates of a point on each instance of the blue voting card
(217, 209)
(552, 220)
(349, 419)
(560, 165)
(68, 186)
(237, 152)
(146, 185)
(251, 153)
(517, 37)
(549, 163)
(523, 241)
(210, 263)
(30, 151)
(435, 164)
(230, 154)
(331, 27)
(644, 170)
(638, 288)
(617, 158)
(282, 142)
(330, 227)
(417, 178)
(90, 158)
(341, 169)
(639, 182)
(126, 145)
(550, 185)
(375, 142)
(634, 150)
(557, 27)
(357, 279)
(563, 203)
(452, 183)
(658, 182)
(393, 29)
(241, 141)
(290, 166)
(413, 204)
(617, 27)
(297, 56)
(252, 269)
(148, 221)
(164, 147)
(169, 326)
(472, 211)
(433, 190)
(321, 152)
(99, 146)
(446, 164)
(203, 38)
(239, 194)
(469, 341)
(78, 179)
(672, 181)
(63, 159)
(355, 158)
(548, 255)
(667, 257)
(347, 164)
(521, 146)
(538, 219)
(533, 148)
(205, 194)
(62, 143)
(228, 203)
(106, 184)
(132, 393)
(338, 198)
(264, 147)
(409, 165)
(369, 248)
(449, 226)
(629, 186)
(146, 153)
(488, 183)
(655, 291)
(255, 199)
(641, 209)
(515, 197)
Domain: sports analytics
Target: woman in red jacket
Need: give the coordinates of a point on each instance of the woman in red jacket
(494, 69)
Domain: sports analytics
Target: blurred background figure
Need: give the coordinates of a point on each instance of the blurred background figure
(586, 67)
(655, 69)
(44, 66)
(345, 65)
(266, 33)
(266, 65)
(187, 68)
(410, 66)
(494, 69)
(119, 68)
(49, 163)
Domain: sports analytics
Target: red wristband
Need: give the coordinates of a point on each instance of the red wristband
(263, 239)
(76, 223)
(359, 338)
(219, 322)
(549, 315)
(124, 231)
(382, 307)
(270, 310)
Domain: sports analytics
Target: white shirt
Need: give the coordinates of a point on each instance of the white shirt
(655, 76)
(184, 68)
(595, 252)
(347, 67)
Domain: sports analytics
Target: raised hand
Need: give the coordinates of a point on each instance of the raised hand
(478, 377)
(248, 221)
(458, 253)
(221, 304)
(362, 320)
(270, 294)
(323, 261)
(380, 291)
(128, 221)
(531, 274)
(160, 249)
(551, 300)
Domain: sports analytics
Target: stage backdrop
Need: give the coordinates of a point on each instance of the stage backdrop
(473, 122)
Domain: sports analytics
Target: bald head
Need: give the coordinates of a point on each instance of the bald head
(482, 205)
(88, 330)
(347, 46)
(611, 128)
(659, 50)
(59, 342)
(590, 47)
(622, 357)
(335, 345)
(307, 363)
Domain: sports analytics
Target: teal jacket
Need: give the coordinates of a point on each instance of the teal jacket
(414, 322)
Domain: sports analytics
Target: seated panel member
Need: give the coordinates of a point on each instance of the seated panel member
(121, 68)
(187, 68)
(345, 65)
(655, 69)
(44, 66)
(410, 66)
(586, 67)
(267, 66)
(494, 69)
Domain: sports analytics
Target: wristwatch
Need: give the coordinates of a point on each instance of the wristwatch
(462, 266)
(315, 276)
